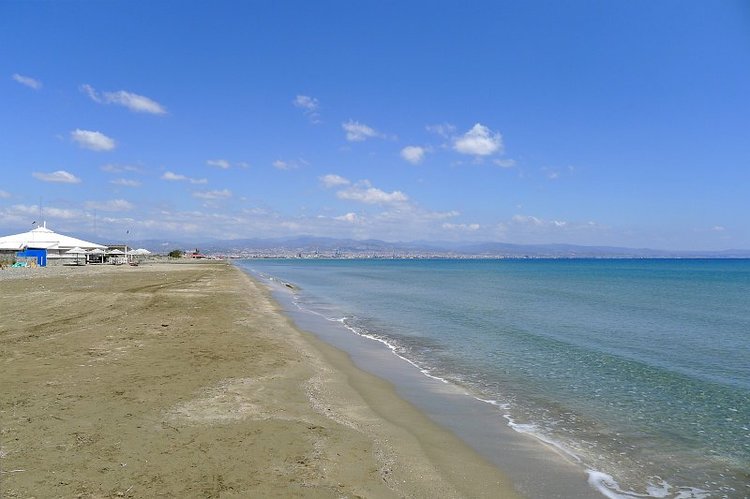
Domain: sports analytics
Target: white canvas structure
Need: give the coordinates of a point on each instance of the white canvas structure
(57, 245)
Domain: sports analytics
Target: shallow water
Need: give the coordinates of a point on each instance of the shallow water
(639, 368)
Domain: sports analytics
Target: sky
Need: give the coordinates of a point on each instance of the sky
(616, 122)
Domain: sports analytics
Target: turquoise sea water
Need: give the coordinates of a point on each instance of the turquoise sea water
(639, 368)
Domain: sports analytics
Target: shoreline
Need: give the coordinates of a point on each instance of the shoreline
(524, 457)
(188, 380)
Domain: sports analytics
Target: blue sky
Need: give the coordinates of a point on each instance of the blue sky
(619, 122)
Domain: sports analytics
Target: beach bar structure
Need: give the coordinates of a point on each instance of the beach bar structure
(46, 246)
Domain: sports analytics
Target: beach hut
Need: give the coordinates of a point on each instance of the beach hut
(44, 244)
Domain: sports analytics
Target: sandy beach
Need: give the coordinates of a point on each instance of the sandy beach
(185, 380)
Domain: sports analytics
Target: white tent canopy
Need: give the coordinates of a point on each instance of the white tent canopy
(44, 238)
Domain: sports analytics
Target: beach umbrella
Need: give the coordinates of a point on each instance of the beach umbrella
(77, 252)
(98, 253)
(115, 252)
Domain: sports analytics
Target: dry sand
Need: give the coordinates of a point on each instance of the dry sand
(186, 381)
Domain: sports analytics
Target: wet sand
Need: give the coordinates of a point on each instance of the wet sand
(185, 380)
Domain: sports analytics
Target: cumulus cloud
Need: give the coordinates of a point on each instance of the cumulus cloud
(332, 180)
(134, 102)
(111, 205)
(4, 194)
(27, 81)
(364, 192)
(177, 177)
(213, 195)
(124, 182)
(413, 154)
(281, 165)
(59, 176)
(95, 141)
(358, 132)
(219, 163)
(479, 141)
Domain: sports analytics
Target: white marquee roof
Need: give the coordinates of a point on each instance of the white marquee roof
(42, 237)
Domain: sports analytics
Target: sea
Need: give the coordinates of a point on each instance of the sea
(638, 370)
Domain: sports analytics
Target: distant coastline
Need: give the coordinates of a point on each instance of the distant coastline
(306, 246)
(324, 247)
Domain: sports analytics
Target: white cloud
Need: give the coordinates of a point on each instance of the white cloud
(527, 220)
(364, 192)
(413, 154)
(309, 105)
(479, 141)
(110, 168)
(177, 177)
(505, 163)
(4, 194)
(281, 164)
(718, 228)
(111, 205)
(134, 102)
(89, 90)
(59, 176)
(124, 182)
(28, 81)
(357, 132)
(445, 130)
(33, 210)
(213, 195)
(96, 141)
(349, 217)
(219, 163)
(306, 102)
(461, 227)
(332, 180)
